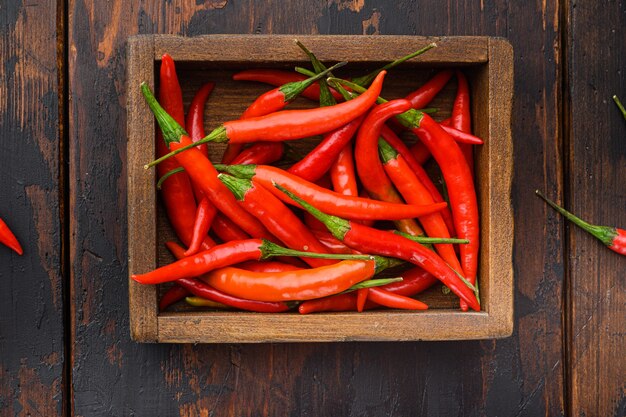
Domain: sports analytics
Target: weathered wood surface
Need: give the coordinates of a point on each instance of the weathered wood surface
(31, 286)
(521, 375)
(596, 190)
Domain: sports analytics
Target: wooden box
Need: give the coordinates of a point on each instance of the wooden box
(488, 62)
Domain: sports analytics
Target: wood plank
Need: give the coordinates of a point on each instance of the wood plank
(31, 286)
(596, 192)
(519, 375)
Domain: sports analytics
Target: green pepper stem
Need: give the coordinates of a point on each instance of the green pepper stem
(337, 226)
(246, 172)
(217, 135)
(294, 89)
(239, 187)
(172, 131)
(367, 79)
(604, 233)
(372, 283)
(432, 240)
(167, 175)
(387, 153)
(620, 106)
(269, 249)
(326, 98)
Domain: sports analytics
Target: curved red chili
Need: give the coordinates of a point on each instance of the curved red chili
(205, 214)
(361, 298)
(329, 241)
(317, 162)
(194, 122)
(291, 285)
(278, 78)
(329, 201)
(174, 294)
(369, 240)
(421, 97)
(461, 118)
(276, 217)
(226, 230)
(342, 173)
(614, 238)
(260, 153)
(8, 239)
(414, 192)
(461, 190)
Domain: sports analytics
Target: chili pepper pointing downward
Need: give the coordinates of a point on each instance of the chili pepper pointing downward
(613, 237)
(8, 238)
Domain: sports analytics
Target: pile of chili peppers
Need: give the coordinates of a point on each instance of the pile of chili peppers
(260, 236)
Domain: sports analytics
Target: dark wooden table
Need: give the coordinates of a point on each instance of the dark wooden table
(64, 337)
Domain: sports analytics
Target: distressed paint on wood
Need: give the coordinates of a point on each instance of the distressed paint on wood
(31, 286)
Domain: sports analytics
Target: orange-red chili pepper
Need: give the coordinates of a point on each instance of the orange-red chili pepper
(276, 217)
(421, 97)
(174, 294)
(369, 240)
(614, 238)
(267, 266)
(226, 230)
(291, 285)
(194, 122)
(361, 298)
(205, 214)
(202, 171)
(333, 244)
(391, 300)
(346, 206)
(461, 118)
(8, 239)
(420, 152)
(414, 192)
(342, 173)
(279, 77)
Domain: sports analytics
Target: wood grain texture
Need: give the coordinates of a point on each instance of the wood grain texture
(596, 191)
(31, 286)
(493, 89)
(521, 375)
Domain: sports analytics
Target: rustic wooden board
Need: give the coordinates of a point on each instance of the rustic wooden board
(521, 375)
(596, 190)
(32, 336)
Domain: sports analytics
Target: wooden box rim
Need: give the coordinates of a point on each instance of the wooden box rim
(495, 162)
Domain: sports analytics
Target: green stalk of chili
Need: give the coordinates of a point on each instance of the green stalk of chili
(290, 124)
(227, 254)
(620, 106)
(614, 238)
(369, 240)
(202, 171)
(346, 206)
(280, 77)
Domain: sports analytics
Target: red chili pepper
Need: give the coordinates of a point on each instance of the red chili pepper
(267, 266)
(276, 217)
(446, 122)
(202, 171)
(177, 192)
(419, 172)
(317, 162)
(461, 117)
(195, 116)
(461, 191)
(260, 153)
(291, 124)
(329, 201)
(361, 298)
(342, 173)
(369, 240)
(279, 77)
(205, 214)
(329, 241)
(420, 152)
(414, 281)
(226, 230)
(8, 239)
(291, 285)
(614, 238)
(389, 299)
(415, 193)
(421, 97)
(227, 254)
(174, 294)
